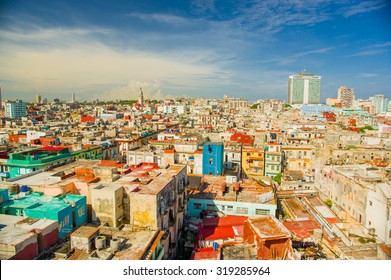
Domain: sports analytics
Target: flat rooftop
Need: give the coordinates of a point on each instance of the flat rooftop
(53, 176)
(250, 191)
(239, 252)
(150, 180)
(85, 231)
(296, 208)
(16, 229)
(133, 246)
(269, 227)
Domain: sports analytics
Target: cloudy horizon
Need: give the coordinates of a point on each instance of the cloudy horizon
(99, 50)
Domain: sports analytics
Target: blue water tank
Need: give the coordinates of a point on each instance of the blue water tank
(292, 136)
(24, 188)
(215, 245)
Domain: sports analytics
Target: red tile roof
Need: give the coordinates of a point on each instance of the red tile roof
(302, 229)
(206, 255)
(51, 148)
(224, 221)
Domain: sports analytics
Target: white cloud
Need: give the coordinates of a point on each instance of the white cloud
(163, 18)
(151, 90)
(291, 58)
(204, 6)
(84, 64)
(365, 7)
(367, 75)
(367, 52)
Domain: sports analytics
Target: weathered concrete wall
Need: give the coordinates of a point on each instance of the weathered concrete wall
(143, 210)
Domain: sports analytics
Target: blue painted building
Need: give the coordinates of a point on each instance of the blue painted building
(212, 158)
(69, 210)
(29, 161)
(60, 212)
(79, 208)
(3, 195)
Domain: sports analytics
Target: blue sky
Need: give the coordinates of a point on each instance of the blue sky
(109, 49)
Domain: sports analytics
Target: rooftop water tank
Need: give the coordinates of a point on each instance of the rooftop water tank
(13, 189)
(114, 244)
(24, 188)
(100, 242)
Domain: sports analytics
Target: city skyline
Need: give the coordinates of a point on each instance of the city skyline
(191, 48)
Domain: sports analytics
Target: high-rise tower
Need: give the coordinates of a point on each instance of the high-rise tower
(141, 98)
(304, 88)
(380, 103)
(38, 99)
(15, 109)
(346, 96)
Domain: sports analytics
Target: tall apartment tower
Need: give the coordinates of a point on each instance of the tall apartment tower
(141, 98)
(304, 88)
(346, 96)
(73, 98)
(38, 99)
(15, 109)
(380, 103)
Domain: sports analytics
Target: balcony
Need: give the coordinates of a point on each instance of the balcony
(171, 223)
(170, 203)
(165, 235)
(163, 211)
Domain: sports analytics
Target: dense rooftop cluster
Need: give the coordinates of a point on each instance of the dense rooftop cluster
(196, 178)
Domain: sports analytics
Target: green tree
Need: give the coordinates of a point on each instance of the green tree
(329, 203)
(277, 178)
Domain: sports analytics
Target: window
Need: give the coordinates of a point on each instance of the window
(248, 154)
(197, 205)
(370, 203)
(242, 210)
(210, 160)
(66, 220)
(222, 207)
(230, 208)
(389, 234)
(262, 212)
(210, 207)
(369, 223)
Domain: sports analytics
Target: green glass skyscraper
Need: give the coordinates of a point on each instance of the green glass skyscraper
(304, 88)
